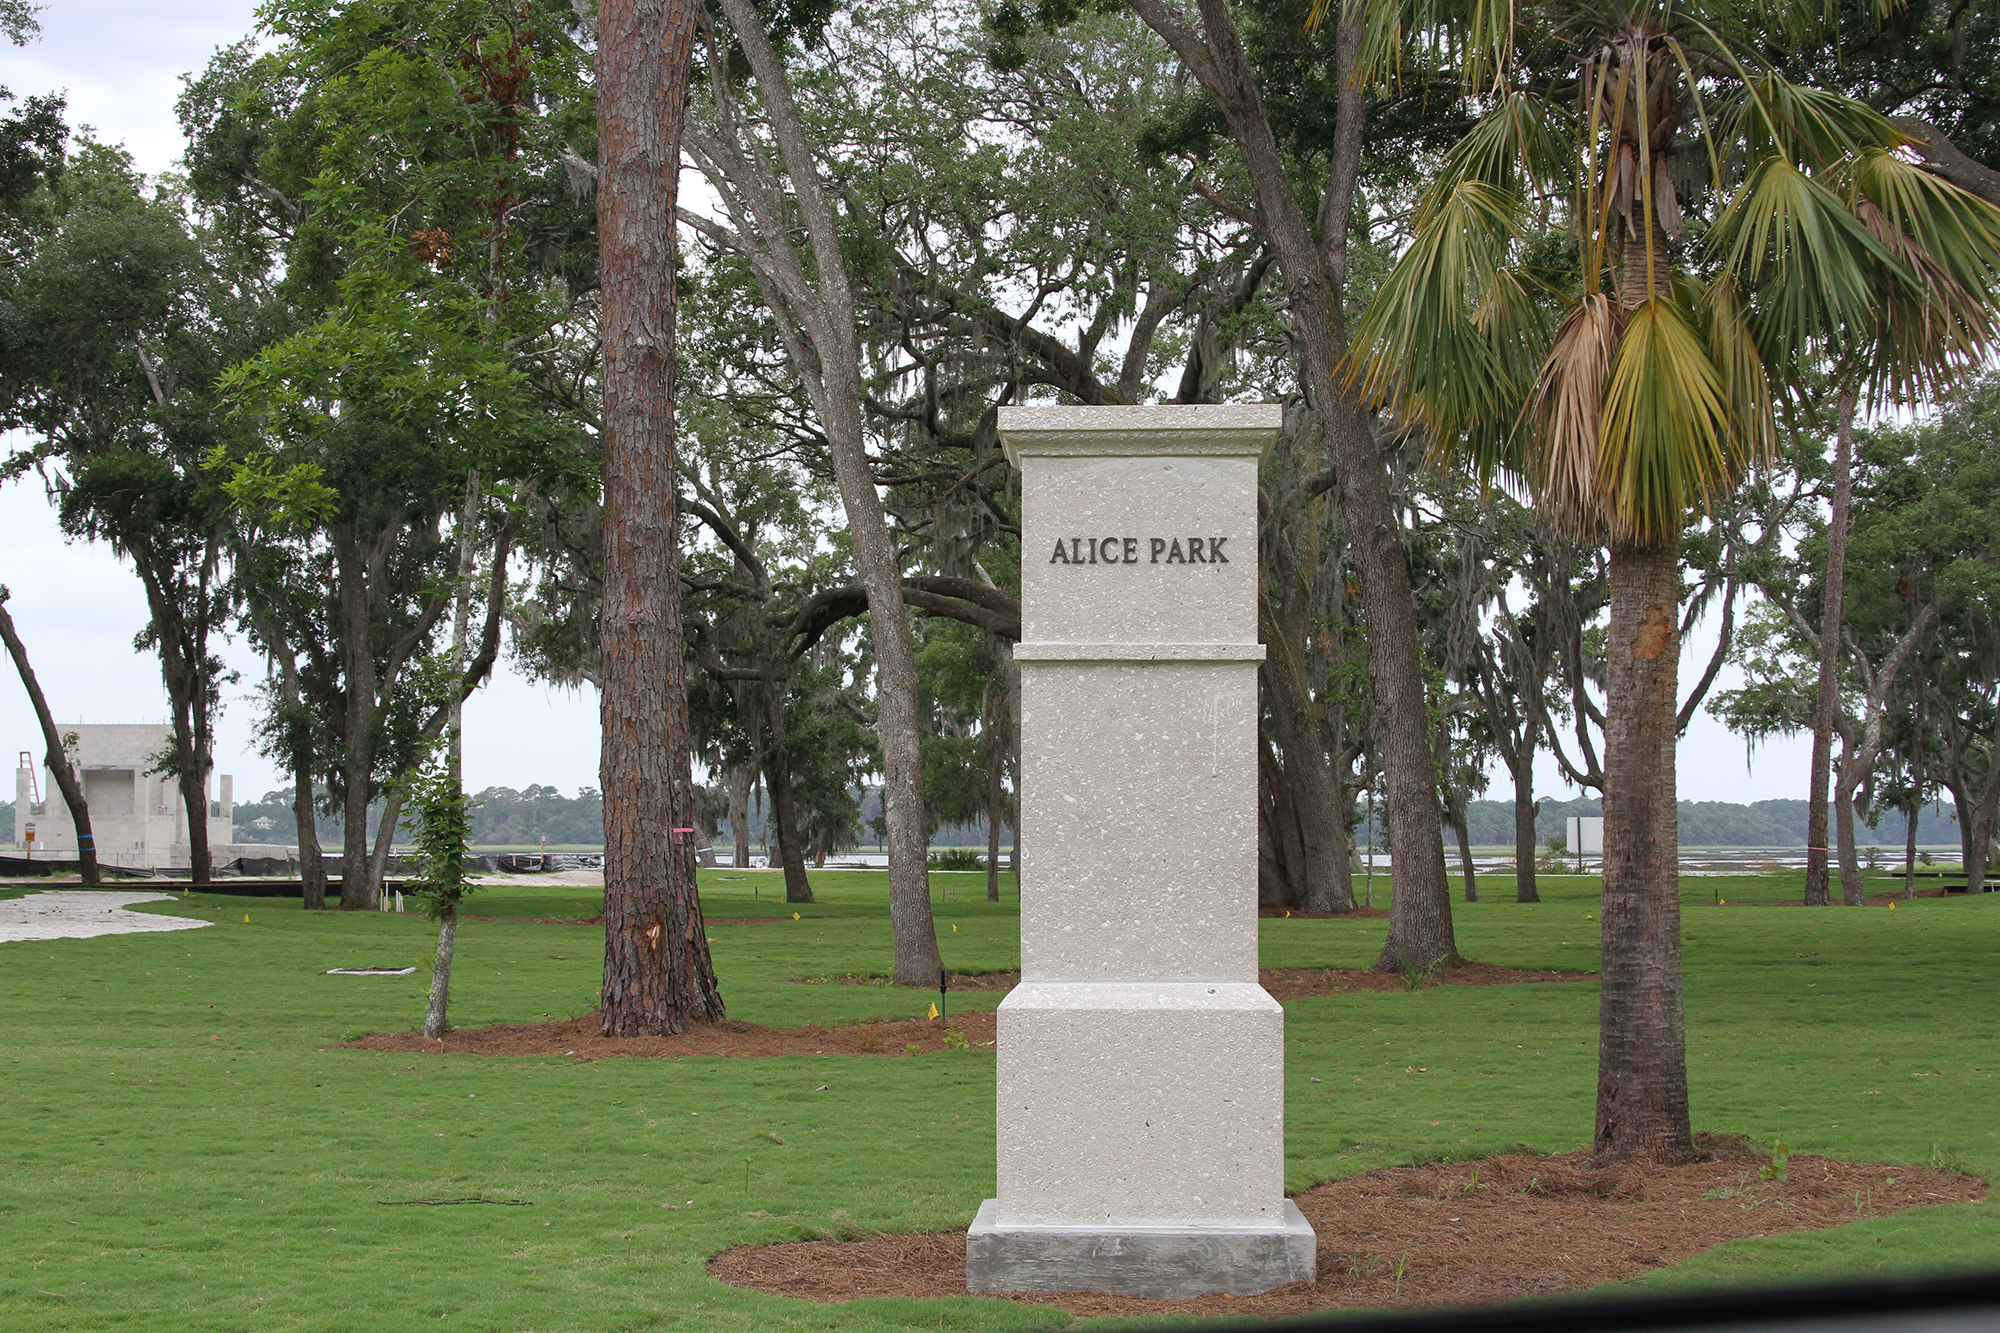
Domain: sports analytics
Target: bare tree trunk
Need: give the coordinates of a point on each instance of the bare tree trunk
(358, 889)
(58, 759)
(1524, 831)
(193, 783)
(1826, 699)
(1314, 271)
(817, 322)
(1985, 815)
(1642, 1090)
(1910, 813)
(741, 779)
(1458, 827)
(1853, 892)
(1315, 798)
(440, 994)
(996, 811)
(784, 805)
(657, 973)
(312, 867)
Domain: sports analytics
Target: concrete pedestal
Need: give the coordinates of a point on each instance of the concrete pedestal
(1141, 1115)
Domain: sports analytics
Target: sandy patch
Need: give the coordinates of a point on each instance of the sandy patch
(79, 914)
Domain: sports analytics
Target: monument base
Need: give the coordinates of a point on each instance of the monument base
(1166, 1262)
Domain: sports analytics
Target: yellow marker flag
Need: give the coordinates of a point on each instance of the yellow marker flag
(954, 930)
(795, 916)
(934, 1012)
(246, 918)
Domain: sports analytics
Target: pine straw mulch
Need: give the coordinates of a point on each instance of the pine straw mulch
(1284, 983)
(1459, 1234)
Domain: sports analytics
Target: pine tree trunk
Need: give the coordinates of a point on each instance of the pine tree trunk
(1524, 830)
(440, 996)
(57, 759)
(1826, 701)
(657, 974)
(1642, 1090)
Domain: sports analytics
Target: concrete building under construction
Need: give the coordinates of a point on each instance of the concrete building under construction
(137, 817)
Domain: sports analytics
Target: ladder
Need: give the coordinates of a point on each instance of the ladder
(34, 786)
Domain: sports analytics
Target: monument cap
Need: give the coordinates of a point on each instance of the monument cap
(1224, 430)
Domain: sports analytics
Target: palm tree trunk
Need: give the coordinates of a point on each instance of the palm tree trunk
(1642, 1090)
(1826, 699)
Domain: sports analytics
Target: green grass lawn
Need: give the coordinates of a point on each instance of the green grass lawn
(183, 1149)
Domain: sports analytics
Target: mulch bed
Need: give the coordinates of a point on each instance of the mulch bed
(579, 1038)
(1372, 913)
(1284, 983)
(1460, 1234)
(599, 920)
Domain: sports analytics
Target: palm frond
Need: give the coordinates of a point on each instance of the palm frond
(1808, 262)
(1522, 135)
(1739, 364)
(1420, 346)
(1810, 127)
(1668, 441)
(1947, 245)
(1474, 36)
(1566, 413)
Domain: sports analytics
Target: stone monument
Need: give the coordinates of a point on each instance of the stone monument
(1141, 1066)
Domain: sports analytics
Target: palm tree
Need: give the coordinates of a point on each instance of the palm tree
(1620, 280)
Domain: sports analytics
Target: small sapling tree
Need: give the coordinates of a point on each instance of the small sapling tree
(444, 816)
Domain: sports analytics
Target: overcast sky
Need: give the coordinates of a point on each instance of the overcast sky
(78, 607)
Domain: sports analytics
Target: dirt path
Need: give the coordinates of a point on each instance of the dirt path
(79, 914)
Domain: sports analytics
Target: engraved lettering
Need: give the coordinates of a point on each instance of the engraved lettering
(1125, 551)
